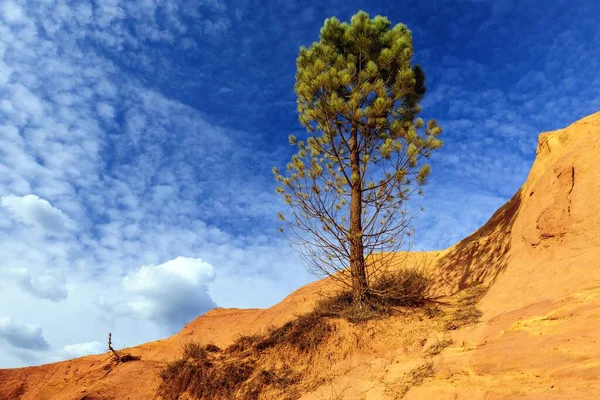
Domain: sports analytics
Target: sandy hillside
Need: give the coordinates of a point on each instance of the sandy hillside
(538, 336)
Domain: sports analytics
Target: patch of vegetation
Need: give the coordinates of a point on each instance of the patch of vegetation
(193, 350)
(406, 287)
(422, 372)
(305, 333)
(465, 311)
(437, 347)
(402, 288)
(212, 348)
(204, 375)
(208, 372)
(118, 357)
(341, 305)
(413, 378)
(433, 311)
(244, 343)
(197, 351)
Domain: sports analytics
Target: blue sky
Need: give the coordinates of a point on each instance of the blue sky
(137, 140)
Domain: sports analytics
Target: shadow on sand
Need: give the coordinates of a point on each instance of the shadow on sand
(482, 256)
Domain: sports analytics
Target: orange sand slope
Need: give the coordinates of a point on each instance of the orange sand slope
(539, 336)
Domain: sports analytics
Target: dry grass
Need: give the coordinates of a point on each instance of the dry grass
(244, 343)
(305, 333)
(236, 372)
(341, 306)
(211, 377)
(407, 287)
(212, 348)
(194, 350)
(437, 347)
(465, 311)
(422, 372)
(200, 373)
(413, 378)
(207, 372)
(403, 288)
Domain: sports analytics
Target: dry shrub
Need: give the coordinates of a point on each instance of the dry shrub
(422, 372)
(243, 344)
(413, 378)
(283, 378)
(407, 287)
(233, 378)
(305, 333)
(222, 381)
(118, 357)
(194, 350)
(341, 306)
(403, 288)
(465, 311)
(437, 347)
(176, 378)
(212, 348)
(205, 372)
(204, 379)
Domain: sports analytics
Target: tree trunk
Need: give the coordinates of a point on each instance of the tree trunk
(357, 257)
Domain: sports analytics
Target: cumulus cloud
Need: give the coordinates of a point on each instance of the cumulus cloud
(45, 286)
(83, 349)
(22, 335)
(42, 285)
(172, 293)
(35, 211)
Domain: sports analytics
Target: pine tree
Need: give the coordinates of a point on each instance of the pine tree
(358, 97)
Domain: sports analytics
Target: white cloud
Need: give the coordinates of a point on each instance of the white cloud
(105, 111)
(171, 293)
(83, 349)
(45, 286)
(41, 284)
(33, 210)
(26, 102)
(12, 12)
(22, 335)
(5, 75)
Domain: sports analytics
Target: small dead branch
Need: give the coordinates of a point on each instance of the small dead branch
(118, 357)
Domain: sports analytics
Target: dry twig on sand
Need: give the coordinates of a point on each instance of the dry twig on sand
(118, 357)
